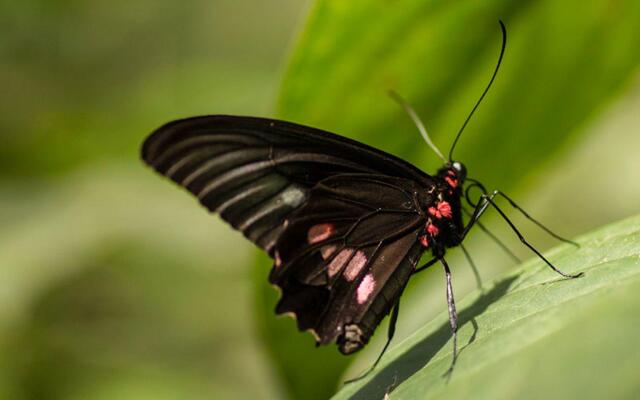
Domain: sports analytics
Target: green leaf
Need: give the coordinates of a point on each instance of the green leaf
(114, 288)
(564, 62)
(532, 334)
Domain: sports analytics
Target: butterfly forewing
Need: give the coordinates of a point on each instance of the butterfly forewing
(255, 171)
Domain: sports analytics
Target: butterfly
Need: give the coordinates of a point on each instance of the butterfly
(345, 224)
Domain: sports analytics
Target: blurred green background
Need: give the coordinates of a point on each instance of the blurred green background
(117, 285)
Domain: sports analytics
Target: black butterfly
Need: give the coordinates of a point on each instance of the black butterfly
(346, 224)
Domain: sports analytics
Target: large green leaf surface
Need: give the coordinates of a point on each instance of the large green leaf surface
(531, 334)
(564, 62)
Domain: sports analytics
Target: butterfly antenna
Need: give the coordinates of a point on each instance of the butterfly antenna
(416, 120)
(495, 72)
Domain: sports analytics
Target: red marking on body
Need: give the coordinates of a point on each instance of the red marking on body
(338, 261)
(434, 212)
(424, 241)
(356, 264)
(432, 229)
(320, 232)
(451, 182)
(451, 173)
(445, 209)
(365, 288)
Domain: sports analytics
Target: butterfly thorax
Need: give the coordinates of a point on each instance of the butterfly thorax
(443, 226)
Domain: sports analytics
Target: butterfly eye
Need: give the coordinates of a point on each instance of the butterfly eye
(460, 169)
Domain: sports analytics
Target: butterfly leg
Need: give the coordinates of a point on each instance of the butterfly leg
(476, 274)
(494, 238)
(489, 200)
(425, 266)
(390, 332)
(453, 315)
(486, 200)
(535, 221)
(478, 211)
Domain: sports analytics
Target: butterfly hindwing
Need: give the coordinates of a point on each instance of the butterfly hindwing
(255, 172)
(346, 255)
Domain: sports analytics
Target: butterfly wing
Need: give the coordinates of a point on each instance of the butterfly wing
(340, 218)
(255, 172)
(346, 255)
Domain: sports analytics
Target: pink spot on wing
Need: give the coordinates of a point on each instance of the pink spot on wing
(365, 288)
(338, 261)
(434, 212)
(320, 232)
(358, 261)
(432, 229)
(445, 209)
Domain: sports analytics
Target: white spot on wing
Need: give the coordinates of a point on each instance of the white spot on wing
(365, 289)
(293, 196)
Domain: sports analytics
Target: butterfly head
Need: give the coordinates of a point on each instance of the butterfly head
(454, 174)
(459, 170)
